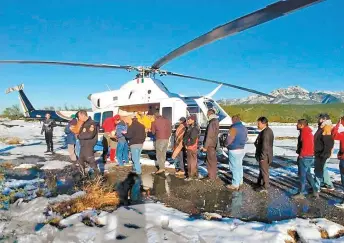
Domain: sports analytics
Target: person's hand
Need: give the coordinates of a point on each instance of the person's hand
(124, 132)
(204, 149)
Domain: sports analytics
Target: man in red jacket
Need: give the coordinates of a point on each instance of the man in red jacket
(109, 139)
(305, 159)
(340, 136)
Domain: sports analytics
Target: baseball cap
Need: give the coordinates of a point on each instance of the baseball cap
(117, 117)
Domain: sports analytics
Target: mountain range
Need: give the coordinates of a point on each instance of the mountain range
(290, 95)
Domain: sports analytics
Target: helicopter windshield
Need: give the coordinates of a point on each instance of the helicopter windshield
(219, 112)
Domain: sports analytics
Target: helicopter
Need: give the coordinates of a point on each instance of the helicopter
(146, 93)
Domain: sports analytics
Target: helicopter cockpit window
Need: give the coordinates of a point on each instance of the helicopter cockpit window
(211, 104)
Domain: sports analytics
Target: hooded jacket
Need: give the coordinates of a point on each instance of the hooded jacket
(88, 136)
(307, 142)
(336, 135)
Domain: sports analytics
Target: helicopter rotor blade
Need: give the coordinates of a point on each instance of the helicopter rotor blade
(79, 64)
(261, 16)
(217, 82)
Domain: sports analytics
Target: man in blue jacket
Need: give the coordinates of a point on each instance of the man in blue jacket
(71, 140)
(236, 141)
(122, 145)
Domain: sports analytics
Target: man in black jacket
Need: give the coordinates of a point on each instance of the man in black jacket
(48, 128)
(88, 137)
(264, 152)
(136, 134)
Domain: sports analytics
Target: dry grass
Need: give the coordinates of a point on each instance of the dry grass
(294, 235)
(97, 197)
(13, 141)
(324, 234)
(7, 165)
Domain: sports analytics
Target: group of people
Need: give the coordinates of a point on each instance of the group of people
(315, 151)
(125, 135)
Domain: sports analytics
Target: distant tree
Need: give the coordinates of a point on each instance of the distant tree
(13, 112)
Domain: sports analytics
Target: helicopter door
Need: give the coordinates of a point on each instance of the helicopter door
(173, 109)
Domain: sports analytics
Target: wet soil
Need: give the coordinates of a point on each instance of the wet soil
(199, 196)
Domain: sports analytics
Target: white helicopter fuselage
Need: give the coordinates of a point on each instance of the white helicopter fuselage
(148, 95)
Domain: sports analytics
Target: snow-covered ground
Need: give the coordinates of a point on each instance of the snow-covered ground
(149, 222)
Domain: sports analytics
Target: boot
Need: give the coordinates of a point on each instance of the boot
(112, 155)
(48, 150)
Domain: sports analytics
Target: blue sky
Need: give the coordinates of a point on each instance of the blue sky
(305, 48)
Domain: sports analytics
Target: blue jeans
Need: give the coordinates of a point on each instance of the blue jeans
(306, 164)
(341, 170)
(321, 174)
(235, 158)
(122, 152)
(136, 150)
(77, 148)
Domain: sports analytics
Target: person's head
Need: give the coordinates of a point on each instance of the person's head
(191, 120)
(323, 117)
(82, 115)
(235, 119)
(302, 123)
(210, 112)
(342, 120)
(47, 115)
(157, 114)
(182, 120)
(262, 122)
(117, 119)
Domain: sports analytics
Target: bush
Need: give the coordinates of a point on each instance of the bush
(12, 112)
(285, 113)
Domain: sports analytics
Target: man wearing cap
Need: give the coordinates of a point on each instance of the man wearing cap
(210, 142)
(162, 129)
(109, 138)
(320, 162)
(191, 144)
(136, 136)
(179, 152)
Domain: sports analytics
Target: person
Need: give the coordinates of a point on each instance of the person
(122, 144)
(47, 129)
(321, 165)
(191, 145)
(109, 138)
(76, 130)
(264, 153)
(145, 120)
(136, 136)
(323, 147)
(162, 129)
(210, 143)
(71, 139)
(337, 135)
(179, 152)
(236, 144)
(88, 137)
(305, 159)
